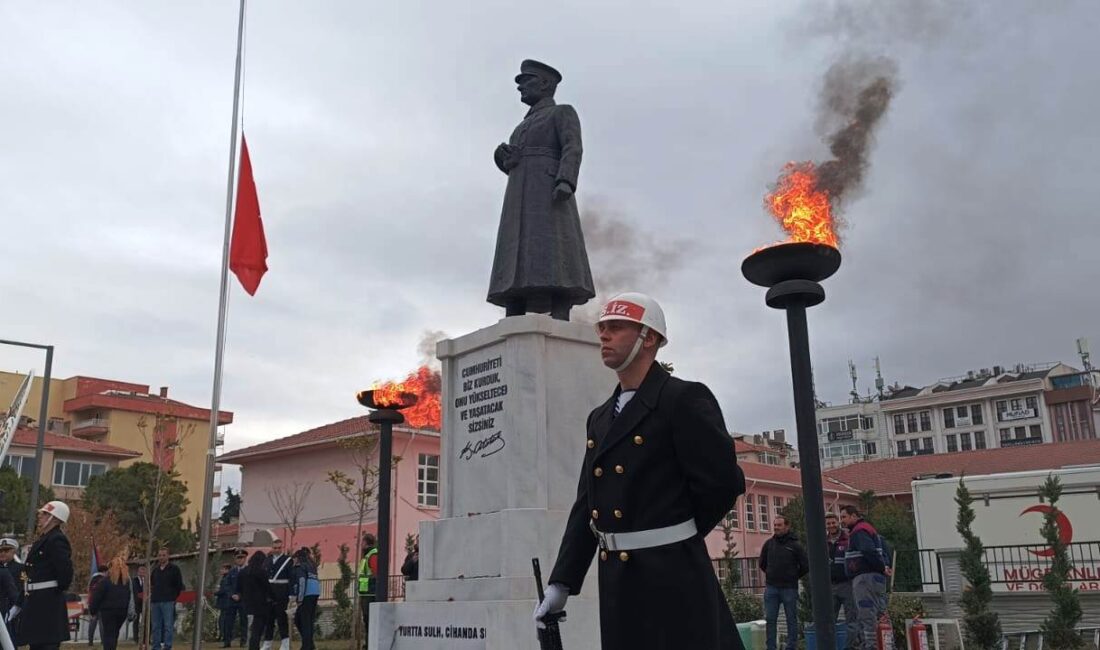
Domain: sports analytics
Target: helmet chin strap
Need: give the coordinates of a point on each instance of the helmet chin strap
(634, 351)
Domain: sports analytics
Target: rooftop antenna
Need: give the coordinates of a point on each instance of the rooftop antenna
(855, 390)
(1083, 350)
(880, 385)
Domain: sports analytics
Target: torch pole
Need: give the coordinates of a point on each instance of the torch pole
(810, 460)
(386, 419)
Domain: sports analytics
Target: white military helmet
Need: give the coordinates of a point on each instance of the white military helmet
(636, 308)
(57, 509)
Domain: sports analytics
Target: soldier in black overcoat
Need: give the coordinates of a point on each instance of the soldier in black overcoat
(659, 473)
(43, 622)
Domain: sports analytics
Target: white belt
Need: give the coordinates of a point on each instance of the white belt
(279, 581)
(644, 538)
(46, 584)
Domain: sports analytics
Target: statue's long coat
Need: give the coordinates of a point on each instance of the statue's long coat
(540, 246)
(664, 459)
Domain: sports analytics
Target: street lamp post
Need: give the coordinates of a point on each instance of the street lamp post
(43, 415)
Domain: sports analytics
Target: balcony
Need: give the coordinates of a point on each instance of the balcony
(90, 427)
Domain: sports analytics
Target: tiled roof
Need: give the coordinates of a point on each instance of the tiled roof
(320, 435)
(894, 475)
(29, 438)
(907, 391)
(786, 476)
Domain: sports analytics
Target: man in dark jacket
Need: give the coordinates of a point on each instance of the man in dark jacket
(541, 264)
(226, 605)
(867, 566)
(836, 536)
(93, 619)
(167, 584)
(138, 583)
(44, 622)
(240, 558)
(659, 472)
(783, 561)
(279, 567)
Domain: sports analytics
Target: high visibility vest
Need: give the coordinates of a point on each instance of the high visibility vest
(366, 576)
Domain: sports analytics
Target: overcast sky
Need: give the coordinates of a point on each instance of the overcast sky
(372, 127)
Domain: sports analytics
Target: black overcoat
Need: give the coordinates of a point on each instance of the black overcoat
(665, 459)
(539, 242)
(45, 619)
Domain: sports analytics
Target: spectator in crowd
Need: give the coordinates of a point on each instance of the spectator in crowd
(307, 589)
(837, 539)
(226, 606)
(783, 561)
(411, 567)
(93, 620)
(138, 584)
(112, 602)
(866, 565)
(241, 560)
(256, 597)
(166, 585)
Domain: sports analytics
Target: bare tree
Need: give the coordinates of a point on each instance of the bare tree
(289, 501)
(360, 491)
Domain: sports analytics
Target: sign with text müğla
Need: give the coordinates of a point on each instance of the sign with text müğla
(479, 409)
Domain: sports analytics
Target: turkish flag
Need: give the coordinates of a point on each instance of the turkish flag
(248, 247)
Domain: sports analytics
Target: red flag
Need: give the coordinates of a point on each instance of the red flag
(248, 248)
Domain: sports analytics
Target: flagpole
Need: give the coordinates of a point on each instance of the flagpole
(219, 350)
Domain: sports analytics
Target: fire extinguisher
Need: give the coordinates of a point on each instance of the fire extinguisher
(885, 634)
(918, 635)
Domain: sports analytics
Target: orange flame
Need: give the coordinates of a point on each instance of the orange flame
(803, 210)
(426, 385)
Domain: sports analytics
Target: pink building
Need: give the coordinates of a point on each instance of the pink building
(280, 469)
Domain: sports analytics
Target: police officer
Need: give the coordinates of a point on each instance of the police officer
(11, 565)
(44, 622)
(659, 473)
(279, 567)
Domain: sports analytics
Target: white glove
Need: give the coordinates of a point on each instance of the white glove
(553, 602)
(13, 612)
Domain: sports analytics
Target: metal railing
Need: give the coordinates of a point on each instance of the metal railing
(90, 423)
(1030, 562)
(396, 588)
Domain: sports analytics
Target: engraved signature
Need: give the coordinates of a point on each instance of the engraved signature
(484, 447)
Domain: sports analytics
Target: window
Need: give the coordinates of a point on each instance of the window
(23, 465)
(949, 418)
(750, 513)
(427, 480)
(854, 449)
(872, 448)
(765, 519)
(1021, 432)
(952, 442)
(777, 502)
(1036, 431)
(1033, 403)
(73, 473)
(899, 423)
(733, 517)
(911, 420)
(964, 438)
(901, 447)
(1006, 434)
(925, 421)
(928, 446)
(868, 423)
(976, 414)
(979, 440)
(1015, 405)
(1002, 406)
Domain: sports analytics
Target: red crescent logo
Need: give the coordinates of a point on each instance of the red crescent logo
(1065, 528)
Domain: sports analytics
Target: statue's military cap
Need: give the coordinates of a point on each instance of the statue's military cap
(537, 68)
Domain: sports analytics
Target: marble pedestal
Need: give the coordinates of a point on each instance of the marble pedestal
(516, 396)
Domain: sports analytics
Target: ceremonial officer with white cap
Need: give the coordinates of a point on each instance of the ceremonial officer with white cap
(44, 622)
(659, 473)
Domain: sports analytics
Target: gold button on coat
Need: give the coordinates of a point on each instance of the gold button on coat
(619, 469)
(598, 471)
(595, 514)
(591, 443)
(638, 440)
(603, 555)
(618, 514)
(624, 556)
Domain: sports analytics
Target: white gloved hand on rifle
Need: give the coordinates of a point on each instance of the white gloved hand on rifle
(13, 612)
(552, 602)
